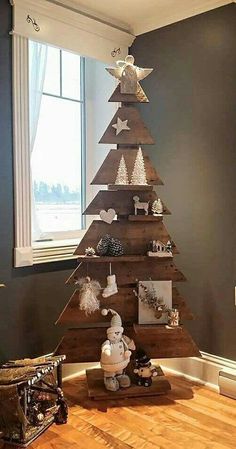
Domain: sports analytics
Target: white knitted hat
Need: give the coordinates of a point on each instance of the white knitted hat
(116, 323)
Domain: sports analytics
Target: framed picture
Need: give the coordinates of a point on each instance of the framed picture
(155, 298)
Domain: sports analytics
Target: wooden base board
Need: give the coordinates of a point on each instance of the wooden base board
(97, 391)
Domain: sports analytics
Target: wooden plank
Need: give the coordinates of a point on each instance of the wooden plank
(84, 345)
(108, 170)
(140, 188)
(126, 273)
(138, 133)
(138, 97)
(97, 391)
(144, 218)
(134, 236)
(124, 302)
(122, 203)
(107, 259)
(161, 341)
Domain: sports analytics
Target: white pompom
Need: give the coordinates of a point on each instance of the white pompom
(104, 312)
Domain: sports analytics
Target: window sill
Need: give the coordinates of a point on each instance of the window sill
(45, 252)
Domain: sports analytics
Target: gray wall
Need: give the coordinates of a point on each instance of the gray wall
(192, 95)
(34, 296)
(191, 115)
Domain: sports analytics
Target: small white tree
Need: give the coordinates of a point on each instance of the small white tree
(122, 173)
(139, 173)
(157, 207)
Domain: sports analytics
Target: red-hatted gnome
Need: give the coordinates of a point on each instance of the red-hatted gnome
(115, 354)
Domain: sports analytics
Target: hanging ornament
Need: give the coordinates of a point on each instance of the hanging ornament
(139, 173)
(111, 288)
(88, 293)
(122, 173)
(120, 126)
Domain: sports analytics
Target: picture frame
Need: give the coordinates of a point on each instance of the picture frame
(154, 301)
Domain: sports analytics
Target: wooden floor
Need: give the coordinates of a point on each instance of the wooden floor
(189, 417)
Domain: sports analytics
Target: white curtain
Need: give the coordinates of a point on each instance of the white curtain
(37, 70)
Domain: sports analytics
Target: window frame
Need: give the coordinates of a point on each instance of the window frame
(25, 252)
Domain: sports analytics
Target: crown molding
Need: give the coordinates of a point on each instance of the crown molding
(166, 18)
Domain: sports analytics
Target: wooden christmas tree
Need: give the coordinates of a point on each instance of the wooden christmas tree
(128, 172)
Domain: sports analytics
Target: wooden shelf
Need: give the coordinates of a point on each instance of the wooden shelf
(97, 390)
(144, 218)
(107, 259)
(129, 187)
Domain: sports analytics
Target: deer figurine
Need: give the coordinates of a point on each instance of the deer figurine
(140, 205)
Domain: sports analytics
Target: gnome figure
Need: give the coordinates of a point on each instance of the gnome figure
(115, 354)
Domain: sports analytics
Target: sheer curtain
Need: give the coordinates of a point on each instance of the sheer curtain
(37, 70)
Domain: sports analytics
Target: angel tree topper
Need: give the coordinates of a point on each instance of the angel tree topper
(128, 74)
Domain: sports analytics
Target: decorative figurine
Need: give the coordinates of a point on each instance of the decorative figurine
(121, 125)
(90, 251)
(140, 205)
(157, 208)
(173, 317)
(115, 354)
(144, 370)
(128, 74)
(159, 249)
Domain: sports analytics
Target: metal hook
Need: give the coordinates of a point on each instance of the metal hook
(110, 268)
(34, 23)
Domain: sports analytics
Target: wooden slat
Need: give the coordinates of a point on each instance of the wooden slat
(139, 97)
(161, 341)
(97, 391)
(124, 302)
(123, 203)
(138, 133)
(126, 273)
(134, 236)
(108, 170)
(145, 218)
(107, 259)
(84, 345)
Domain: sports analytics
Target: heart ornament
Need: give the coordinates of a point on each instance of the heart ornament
(107, 216)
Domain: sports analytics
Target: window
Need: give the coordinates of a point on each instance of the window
(57, 142)
(60, 102)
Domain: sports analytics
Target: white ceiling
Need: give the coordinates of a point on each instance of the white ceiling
(140, 16)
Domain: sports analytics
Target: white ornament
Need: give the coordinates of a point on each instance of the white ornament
(120, 126)
(140, 205)
(111, 288)
(107, 216)
(122, 173)
(157, 208)
(88, 293)
(139, 173)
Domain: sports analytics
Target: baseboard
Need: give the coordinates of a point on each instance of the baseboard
(203, 369)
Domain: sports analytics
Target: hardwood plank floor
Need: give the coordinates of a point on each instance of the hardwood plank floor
(189, 416)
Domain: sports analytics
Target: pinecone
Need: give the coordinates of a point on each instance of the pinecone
(103, 245)
(115, 247)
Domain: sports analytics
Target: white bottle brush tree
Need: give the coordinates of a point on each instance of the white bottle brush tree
(139, 173)
(122, 173)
